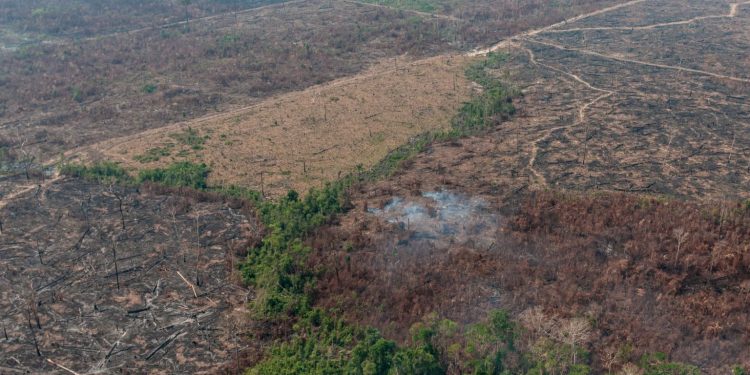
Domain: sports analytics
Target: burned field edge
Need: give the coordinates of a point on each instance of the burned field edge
(276, 268)
(285, 282)
(321, 207)
(140, 81)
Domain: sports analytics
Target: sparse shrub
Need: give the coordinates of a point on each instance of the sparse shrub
(191, 138)
(153, 154)
(239, 192)
(77, 94)
(149, 88)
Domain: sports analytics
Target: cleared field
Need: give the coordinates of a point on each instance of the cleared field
(59, 96)
(92, 71)
(301, 140)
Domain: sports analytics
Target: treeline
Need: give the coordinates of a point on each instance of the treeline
(180, 174)
(497, 345)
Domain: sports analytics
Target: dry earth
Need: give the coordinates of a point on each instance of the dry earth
(303, 139)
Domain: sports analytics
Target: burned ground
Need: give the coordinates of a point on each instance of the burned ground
(99, 278)
(646, 98)
(600, 116)
(652, 275)
(614, 109)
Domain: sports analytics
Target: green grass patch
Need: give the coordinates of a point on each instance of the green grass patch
(105, 172)
(190, 138)
(154, 154)
(180, 174)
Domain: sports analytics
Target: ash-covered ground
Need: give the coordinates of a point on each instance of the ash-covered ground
(107, 279)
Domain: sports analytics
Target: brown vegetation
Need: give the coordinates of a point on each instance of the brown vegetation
(650, 274)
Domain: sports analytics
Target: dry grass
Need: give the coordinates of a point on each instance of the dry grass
(302, 139)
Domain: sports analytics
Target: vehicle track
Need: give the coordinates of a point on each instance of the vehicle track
(21, 190)
(538, 176)
(411, 11)
(732, 13)
(639, 62)
(159, 27)
(506, 42)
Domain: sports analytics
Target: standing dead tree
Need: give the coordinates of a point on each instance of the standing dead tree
(32, 312)
(200, 251)
(680, 235)
(575, 332)
(114, 259)
(119, 197)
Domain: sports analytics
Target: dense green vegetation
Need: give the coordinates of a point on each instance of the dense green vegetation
(180, 174)
(324, 345)
(495, 103)
(276, 267)
(103, 172)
